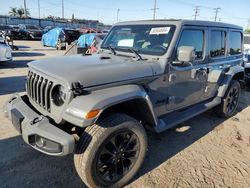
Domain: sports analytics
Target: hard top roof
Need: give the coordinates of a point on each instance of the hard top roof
(180, 22)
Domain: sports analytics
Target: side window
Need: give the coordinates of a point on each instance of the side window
(217, 43)
(235, 43)
(193, 38)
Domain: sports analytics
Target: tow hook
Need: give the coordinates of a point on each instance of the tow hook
(36, 120)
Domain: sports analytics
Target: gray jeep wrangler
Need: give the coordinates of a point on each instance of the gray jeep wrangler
(147, 75)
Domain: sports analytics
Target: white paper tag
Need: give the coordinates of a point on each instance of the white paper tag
(159, 30)
(126, 43)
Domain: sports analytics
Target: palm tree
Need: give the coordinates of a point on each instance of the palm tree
(20, 12)
(13, 11)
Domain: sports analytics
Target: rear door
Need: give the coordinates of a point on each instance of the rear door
(225, 50)
(217, 58)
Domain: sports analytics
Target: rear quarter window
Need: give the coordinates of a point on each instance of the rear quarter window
(235, 46)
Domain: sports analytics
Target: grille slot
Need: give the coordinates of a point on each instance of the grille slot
(39, 89)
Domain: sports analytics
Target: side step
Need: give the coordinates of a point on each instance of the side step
(178, 117)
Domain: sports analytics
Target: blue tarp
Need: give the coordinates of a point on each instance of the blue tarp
(51, 37)
(86, 40)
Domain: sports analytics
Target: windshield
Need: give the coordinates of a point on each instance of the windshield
(145, 39)
(246, 39)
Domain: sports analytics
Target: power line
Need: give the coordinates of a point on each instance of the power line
(196, 12)
(216, 13)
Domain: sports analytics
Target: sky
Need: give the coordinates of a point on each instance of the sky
(232, 11)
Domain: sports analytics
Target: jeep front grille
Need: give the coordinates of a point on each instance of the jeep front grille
(39, 89)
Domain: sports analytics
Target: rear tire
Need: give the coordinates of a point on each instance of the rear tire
(111, 152)
(230, 101)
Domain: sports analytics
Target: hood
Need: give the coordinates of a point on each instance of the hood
(92, 70)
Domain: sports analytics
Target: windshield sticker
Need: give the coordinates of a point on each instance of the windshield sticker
(126, 43)
(159, 30)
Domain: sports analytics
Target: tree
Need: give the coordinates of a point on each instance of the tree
(13, 11)
(247, 30)
(18, 12)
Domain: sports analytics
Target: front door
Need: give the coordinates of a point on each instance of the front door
(187, 81)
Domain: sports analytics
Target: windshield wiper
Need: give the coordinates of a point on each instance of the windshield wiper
(136, 53)
(112, 50)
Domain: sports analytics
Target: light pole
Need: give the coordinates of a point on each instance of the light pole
(38, 9)
(25, 9)
(62, 10)
(117, 15)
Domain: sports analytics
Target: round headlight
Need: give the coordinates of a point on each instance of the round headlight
(58, 95)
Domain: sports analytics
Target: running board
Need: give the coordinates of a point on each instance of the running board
(178, 117)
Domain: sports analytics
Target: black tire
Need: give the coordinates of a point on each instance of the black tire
(98, 145)
(230, 101)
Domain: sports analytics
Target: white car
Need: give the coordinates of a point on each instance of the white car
(5, 51)
(247, 58)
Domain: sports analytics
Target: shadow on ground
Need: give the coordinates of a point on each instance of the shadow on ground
(26, 54)
(15, 64)
(9, 85)
(29, 168)
(22, 166)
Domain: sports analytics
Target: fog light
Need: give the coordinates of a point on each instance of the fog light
(47, 145)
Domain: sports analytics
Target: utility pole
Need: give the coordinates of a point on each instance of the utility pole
(154, 9)
(117, 15)
(248, 24)
(216, 13)
(62, 10)
(38, 9)
(25, 9)
(196, 12)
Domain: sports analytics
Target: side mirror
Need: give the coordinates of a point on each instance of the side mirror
(186, 54)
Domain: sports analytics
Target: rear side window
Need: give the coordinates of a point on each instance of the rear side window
(217, 43)
(193, 38)
(235, 43)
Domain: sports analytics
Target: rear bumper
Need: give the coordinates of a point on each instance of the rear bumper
(36, 130)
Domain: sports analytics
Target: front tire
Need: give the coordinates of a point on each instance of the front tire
(230, 101)
(111, 152)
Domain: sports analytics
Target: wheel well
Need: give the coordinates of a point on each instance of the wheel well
(238, 76)
(136, 108)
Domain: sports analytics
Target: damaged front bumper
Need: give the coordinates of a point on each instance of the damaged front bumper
(36, 129)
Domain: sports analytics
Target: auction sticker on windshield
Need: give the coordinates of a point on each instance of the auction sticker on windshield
(159, 30)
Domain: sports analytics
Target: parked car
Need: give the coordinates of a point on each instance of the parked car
(18, 33)
(47, 28)
(91, 41)
(59, 37)
(32, 31)
(147, 75)
(247, 58)
(5, 51)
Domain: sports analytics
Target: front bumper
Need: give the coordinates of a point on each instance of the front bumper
(36, 130)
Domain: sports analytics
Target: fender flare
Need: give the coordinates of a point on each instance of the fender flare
(227, 79)
(103, 99)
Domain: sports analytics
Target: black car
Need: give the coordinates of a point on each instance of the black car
(18, 33)
(32, 31)
(67, 36)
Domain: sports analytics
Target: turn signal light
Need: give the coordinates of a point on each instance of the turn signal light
(92, 114)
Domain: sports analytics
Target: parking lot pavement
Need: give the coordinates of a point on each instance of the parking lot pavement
(205, 151)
